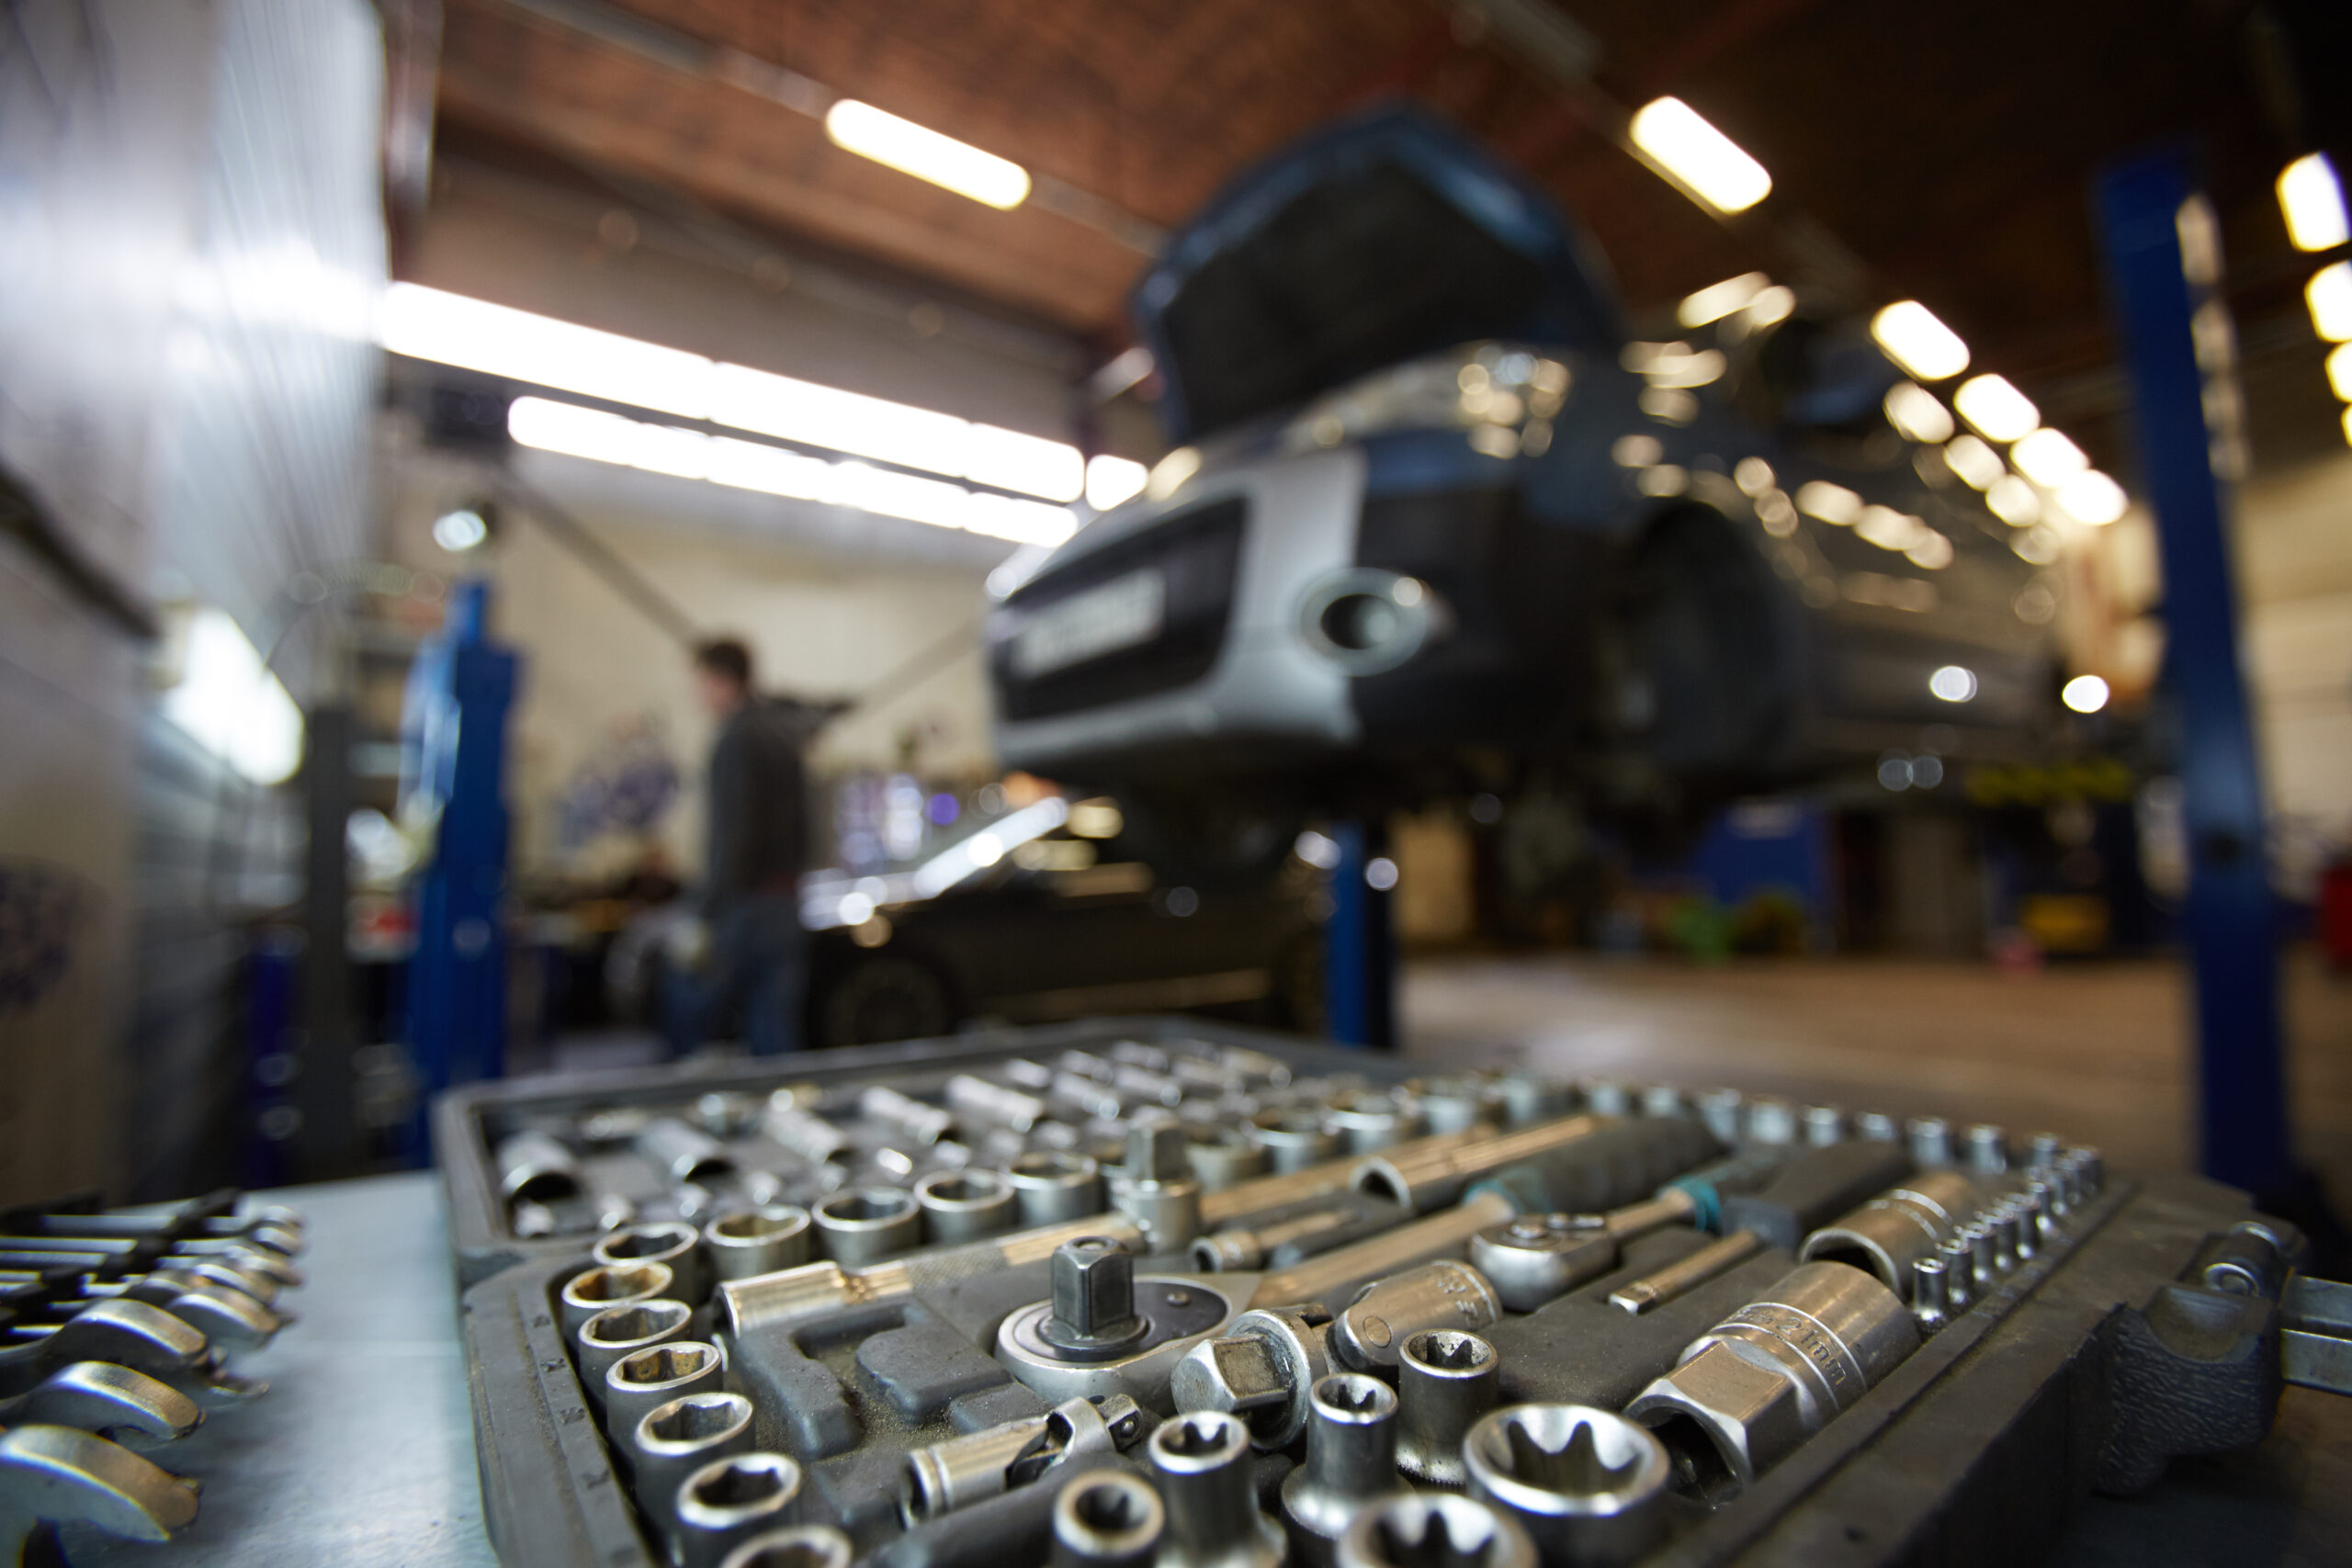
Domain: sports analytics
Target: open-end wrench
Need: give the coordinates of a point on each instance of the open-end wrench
(115, 1402)
(211, 1270)
(58, 1475)
(280, 1230)
(225, 1316)
(237, 1255)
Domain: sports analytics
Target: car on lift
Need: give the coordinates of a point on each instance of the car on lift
(1435, 522)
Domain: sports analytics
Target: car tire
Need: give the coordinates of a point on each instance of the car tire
(888, 997)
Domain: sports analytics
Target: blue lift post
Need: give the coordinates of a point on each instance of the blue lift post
(2161, 273)
(454, 770)
(1359, 946)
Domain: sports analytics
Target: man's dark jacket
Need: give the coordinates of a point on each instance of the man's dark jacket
(759, 803)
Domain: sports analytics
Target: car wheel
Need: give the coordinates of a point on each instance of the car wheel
(884, 998)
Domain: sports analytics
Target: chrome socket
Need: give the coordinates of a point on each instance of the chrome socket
(1446, 1381)
(621, 1284)
(1369, 1120)
(1370, 1333)
(685, 1154)
(1719, 1108)
(756, 1241)
(623, 1331)
(1771, 1121)
(1415, 1530)
(1052, 1187)
(1988, 1149)
(1454, 1104)
(1262, 1372)
(965, 1205)
(797, 1546)
(1221, 1157)
(1749, 1391)
(913, 1118)
(643, 1380)
(1930, 1294)
(1930, 1138)
(1202, 1463)
(535, 1168)
(1351, 1463)
(1531, 1260)
(865, 1224)
(734, 1502)
(1107, 1518)
(1589, 1486)
(944, 1476)
(671, 1242)
(675, 1440)
(1898, 1227)
(1529, 1098)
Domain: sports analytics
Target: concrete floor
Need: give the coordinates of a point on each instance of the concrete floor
(2100, 1053)
(2097, 1051)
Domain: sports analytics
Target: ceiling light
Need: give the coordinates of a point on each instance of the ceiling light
(2048, 458)
(2339, 372)
(2093, 498)
(449, 329)
(1110, 480)
(2084, 694)
(1997, 409)
(1704, 161)
(2329, 294)
(227, 700)
(1168, 475)
(1831, 503)
(1918, 413)
(1916, 341)
(1976, 462)
(2314, 202)
(1953, 683)
(1717, 300)
(2014, 502)
(473, 334)
(1772, 305)
(916, 150)
(604, 437)
(459, 531)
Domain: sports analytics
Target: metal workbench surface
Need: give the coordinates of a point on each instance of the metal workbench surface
(362, 1453)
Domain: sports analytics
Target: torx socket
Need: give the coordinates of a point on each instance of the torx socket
(1415, 1530)
(1107, 1518)
(1445, 1382)
(1589, 1486)
(1202, 1463)
(1370, 1333)
(1351, 1463)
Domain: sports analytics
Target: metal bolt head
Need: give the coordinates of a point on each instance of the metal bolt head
(1095, 1292)
(1158, 1151)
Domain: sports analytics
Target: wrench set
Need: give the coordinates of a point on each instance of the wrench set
(1156, 1291)
(118, 1328)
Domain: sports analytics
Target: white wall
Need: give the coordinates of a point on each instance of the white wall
(2294, 552)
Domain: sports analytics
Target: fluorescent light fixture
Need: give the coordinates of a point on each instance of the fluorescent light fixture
(2339, 372)
(1717, 300)
(2093, 498)
(2329, 294)
(602, 437)
(2014, 502)
(473, 334)
(1973, 461)
(459, 531)
(449, 329)
(1770, 305)
(2312, 201)
(1677, 366)
(1753, 476)
(919, 150)
(1887, 528)
(2084, 694)
(1998, 410)
(1168, 475)
(1919, 342)
(1930, 551)
(1831, 503)
(1918, 413)
(229, 703)
(1704, 161)
(1953, 683)
(2048, 458)
(1110, 480)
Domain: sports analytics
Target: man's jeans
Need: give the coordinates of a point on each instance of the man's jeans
(759, 965)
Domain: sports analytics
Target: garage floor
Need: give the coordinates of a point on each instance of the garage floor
(2100, 1053)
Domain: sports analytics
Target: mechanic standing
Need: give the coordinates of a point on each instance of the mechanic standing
(755, 954)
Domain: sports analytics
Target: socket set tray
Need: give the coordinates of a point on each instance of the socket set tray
(1160, 1291)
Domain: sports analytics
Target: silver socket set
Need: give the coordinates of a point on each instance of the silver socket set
(1149, 1291)
(120, 1328)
